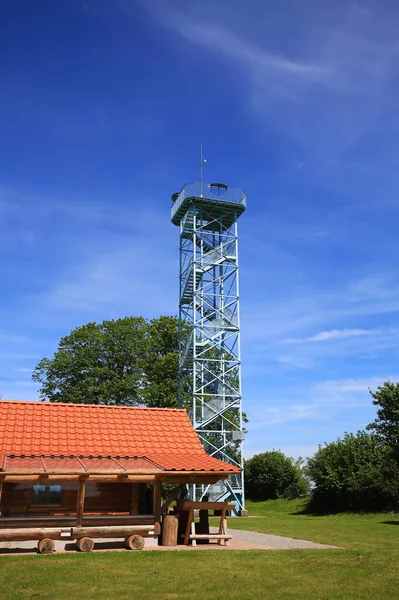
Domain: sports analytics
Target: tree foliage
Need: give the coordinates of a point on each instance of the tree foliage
(273, 475)
(352, 473)
(127, 361)
(386, 425)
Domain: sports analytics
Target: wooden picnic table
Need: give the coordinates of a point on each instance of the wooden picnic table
(190, 535)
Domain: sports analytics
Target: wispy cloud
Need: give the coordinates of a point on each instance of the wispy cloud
(341, 334)
(247, 55)
(326, 85)
(274, 415)
(316, 412)
(295, 452)
(348, 390)
(251, 58)
(294, 361)
(11, 338)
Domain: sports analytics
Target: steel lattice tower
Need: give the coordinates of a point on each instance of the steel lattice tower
(209, 325)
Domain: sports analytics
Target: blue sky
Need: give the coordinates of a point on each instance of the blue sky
(103, 105)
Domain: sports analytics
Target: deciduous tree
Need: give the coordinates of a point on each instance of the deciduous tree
(386, 425)
(272, 475)
(127, 361)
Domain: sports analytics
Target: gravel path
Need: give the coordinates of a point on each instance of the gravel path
(275, 542)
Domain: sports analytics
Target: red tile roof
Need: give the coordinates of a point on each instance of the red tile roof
(162, 435)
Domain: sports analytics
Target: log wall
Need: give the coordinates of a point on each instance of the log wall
(100, 498)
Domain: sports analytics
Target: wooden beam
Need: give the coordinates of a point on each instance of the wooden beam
(190, 521)
(62, 478)
(114, 531)
(134, 500)
(199, 478)
(172, 496)
(159, 473)
(224, 538)
(1, 492)
(11, 535)
(80, 502)
(79, 472)
(188, 504)
(157, 501)
(210, 536)
(70, 521)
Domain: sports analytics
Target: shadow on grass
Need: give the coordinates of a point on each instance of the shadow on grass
(311, 511)
(390, 522)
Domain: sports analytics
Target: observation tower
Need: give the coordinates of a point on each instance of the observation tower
(209, 325)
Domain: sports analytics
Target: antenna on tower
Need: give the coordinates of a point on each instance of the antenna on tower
(202, 161)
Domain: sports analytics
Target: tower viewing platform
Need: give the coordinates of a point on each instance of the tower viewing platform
(216, 197)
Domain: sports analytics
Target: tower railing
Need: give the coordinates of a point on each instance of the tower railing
(210, 192)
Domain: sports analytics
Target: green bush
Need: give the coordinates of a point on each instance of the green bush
(353, 474)
(273, 475)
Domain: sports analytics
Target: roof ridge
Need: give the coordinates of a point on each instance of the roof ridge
(71, 404)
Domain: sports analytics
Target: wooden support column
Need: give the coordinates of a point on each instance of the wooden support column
(80, 502)
(190, 521)
(134, 499)
(157, 504)
(223, 528)
(1, 491)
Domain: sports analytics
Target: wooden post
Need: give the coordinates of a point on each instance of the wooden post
(1, 491)
(190, 522)
(193, 540)
(80, 502)
(134, 500)
(223, 527)
(157, 502)
(170, 526)
(203, 527)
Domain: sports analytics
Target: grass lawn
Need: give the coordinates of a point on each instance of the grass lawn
(366, 567)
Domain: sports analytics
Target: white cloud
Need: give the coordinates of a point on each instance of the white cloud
(326, 84)
(294, 361)
(12, 338)
(270, 416)
(339, 334)
(299, 307)
(19, 356)
(128, 274)
(315, 401)
(294, 452)
(248, 56)
(263, 67)
(18, 390)
(347, 390)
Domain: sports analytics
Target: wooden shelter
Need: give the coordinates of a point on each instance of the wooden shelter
(81, 472)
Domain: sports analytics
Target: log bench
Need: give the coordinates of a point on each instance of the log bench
(133, 535)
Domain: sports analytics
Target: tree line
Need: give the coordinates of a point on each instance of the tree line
(133, 362)
(357, 472)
